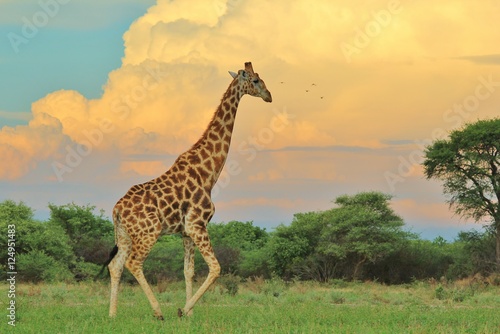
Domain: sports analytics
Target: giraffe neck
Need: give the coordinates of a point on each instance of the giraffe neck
(214, 144)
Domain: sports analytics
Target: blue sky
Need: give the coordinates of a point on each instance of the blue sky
(73, 54)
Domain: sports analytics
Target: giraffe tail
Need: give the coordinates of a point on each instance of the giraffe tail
(116, 218)
(111, 256)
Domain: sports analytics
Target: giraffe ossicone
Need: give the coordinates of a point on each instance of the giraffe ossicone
(179, 201)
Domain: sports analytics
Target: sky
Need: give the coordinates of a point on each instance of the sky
(98, 96)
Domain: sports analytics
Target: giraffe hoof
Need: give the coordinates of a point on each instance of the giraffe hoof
(179, 313)
(159, 317)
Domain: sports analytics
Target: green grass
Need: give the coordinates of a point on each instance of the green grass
(260, 307)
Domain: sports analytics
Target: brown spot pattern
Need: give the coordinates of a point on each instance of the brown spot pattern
(179, 200)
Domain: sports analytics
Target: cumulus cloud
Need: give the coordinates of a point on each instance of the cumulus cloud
(174, 71)
(22, 147)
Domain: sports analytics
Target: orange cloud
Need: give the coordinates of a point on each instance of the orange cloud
(22, 147)
(148, 168)
(399, 83)
(426, 211)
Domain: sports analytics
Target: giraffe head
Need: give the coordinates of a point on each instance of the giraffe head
(250, 83)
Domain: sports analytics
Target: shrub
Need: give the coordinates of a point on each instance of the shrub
(338, 283)
(274, 287)
(166, 260)
(36, 266)
(231, 283)
(94, 250)
(85, 270)
(228, 258)
(441, 293)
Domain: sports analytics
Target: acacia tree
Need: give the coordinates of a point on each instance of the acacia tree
(338, 242)
(468, 163)
(362, 229)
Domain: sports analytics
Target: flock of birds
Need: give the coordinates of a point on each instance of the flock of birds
(307, 90)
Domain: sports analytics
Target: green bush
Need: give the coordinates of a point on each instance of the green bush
(231, 283)
(166, 260)
(85, 270)
(274, 287)
(441, 293)
(36, 266)
(326, 246)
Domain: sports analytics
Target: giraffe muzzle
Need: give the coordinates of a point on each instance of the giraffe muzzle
(267, 97)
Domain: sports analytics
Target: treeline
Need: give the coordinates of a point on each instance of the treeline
(361, 238)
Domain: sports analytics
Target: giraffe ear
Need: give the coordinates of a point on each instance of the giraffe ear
(234, 75)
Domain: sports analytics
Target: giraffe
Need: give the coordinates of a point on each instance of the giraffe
(179, 201)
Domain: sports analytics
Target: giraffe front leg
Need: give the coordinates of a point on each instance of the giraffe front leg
(188, 270)
(202, 241)
(134, 264)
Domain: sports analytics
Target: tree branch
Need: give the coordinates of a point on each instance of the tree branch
(480, 191)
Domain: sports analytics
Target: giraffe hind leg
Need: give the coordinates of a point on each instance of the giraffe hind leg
(115, 266)
(188, 269)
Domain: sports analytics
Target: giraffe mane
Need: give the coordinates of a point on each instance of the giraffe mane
(214, 116)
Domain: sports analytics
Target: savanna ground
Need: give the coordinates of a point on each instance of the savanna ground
(258, 306)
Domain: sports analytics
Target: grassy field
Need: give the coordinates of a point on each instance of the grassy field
(261, 307)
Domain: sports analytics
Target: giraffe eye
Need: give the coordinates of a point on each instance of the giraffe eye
(255, 81)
